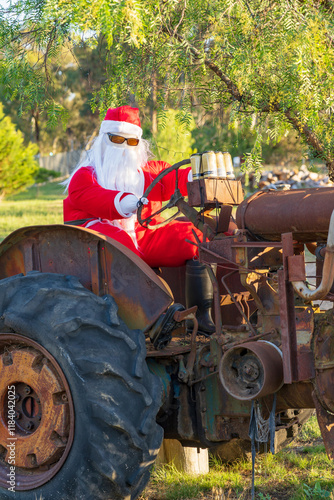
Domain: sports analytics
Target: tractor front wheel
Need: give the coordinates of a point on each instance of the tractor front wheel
(78, 404)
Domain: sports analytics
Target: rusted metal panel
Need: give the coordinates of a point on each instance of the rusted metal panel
(287, 315)
(296, 268)
(326, 425)
(218, 251)
(304, 325)
(295, 395)
(304, 212)
(324, 359)
(175, 278)
(304, 330)
(101, 264)
(218, 412)
(224, 218)
(305, 358)
(215, 406)
(231, 428)
(211, 191)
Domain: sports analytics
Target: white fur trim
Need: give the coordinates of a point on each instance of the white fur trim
(118, 205)
(92, 222)
(114, 127)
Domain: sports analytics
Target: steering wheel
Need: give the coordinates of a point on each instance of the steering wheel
(176, 196)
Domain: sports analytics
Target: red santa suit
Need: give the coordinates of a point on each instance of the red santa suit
(103, 194)
(100, 207)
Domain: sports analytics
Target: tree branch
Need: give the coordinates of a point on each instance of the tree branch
(181, 18)
(232, 88)
(300, 127)
(53, 35)
(290, 116)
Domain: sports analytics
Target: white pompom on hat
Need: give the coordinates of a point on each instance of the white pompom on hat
(122, 120)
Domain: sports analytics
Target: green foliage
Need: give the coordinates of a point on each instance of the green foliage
(17, 163)
(261, 496)
(254, 159)
(316, 492)
(68, 123)
(267, 64)
(310, 430)
(44, 175)
(174, 141)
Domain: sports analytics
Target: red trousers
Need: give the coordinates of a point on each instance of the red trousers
(167, 246)
(116, 234)
(162, 247)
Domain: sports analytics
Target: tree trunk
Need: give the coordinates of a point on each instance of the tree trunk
(330, 168)
(35, 115)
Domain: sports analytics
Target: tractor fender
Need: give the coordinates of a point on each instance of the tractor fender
(101, 264)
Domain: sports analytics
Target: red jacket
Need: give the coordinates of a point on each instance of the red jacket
(166, 246)
(88, 200)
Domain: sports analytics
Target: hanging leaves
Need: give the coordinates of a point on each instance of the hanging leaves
(269, 59)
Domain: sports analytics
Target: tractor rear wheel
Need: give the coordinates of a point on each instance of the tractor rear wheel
(78, 404)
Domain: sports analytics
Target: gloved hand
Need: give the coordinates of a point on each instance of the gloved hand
(129, 203)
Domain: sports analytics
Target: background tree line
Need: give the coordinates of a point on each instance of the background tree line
(81, 73)
(253, 77)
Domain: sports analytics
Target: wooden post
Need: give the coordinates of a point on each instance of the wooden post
(190, 460)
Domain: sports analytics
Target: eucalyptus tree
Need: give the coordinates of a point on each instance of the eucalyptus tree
(269, 63)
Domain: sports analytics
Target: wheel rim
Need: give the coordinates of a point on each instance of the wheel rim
(37, 437)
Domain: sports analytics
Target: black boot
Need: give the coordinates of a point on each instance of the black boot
(199, 292)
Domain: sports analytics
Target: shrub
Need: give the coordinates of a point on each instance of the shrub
(45, 175)
(17, 164)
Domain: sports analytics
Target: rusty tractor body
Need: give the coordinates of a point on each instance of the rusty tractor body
(271, 339)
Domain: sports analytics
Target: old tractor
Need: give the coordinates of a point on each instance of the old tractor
(99, 358)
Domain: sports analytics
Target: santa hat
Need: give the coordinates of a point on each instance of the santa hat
(122, 120)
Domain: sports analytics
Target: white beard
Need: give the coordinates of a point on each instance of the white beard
(121, 170)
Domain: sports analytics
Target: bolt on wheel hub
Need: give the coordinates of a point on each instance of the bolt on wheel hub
(28, 410)
(37, 414)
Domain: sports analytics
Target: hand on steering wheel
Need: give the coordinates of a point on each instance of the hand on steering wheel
(176, 196)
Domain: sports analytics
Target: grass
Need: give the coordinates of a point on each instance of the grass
(37, 205)
(301, 471)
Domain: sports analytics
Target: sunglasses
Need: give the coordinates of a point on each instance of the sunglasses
(117, 139)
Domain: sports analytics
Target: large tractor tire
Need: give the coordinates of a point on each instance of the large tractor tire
(85, 402)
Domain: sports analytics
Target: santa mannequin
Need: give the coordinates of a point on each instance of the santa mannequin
(103, 194)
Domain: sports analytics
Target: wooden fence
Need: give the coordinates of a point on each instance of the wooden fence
(61, 162)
